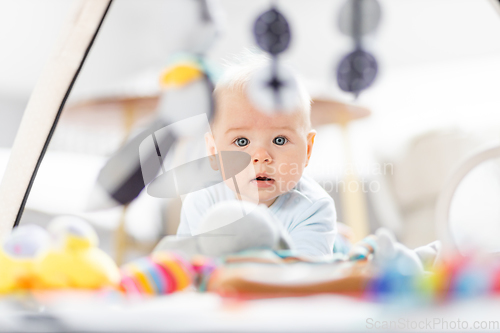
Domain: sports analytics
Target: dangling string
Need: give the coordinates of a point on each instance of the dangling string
(275, 83)
(357, 70)
(357, 21)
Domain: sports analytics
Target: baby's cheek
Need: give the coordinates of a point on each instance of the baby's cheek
(243, 182)
(289, 182)
(247, 174)
(290, 176)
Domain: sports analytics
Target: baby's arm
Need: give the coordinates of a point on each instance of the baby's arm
(315, 230)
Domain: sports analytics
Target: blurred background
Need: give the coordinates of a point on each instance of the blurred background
(433, 103)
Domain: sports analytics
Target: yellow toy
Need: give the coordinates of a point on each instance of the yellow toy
(19, 255)
(75, 261)
(180, 75)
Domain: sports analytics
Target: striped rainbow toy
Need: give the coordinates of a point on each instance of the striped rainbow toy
(158, 274)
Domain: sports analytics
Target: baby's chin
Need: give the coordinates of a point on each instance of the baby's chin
(254, 195)
(260, 195)
(260, 200)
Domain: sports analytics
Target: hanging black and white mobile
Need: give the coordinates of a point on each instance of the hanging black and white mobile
(357, 70)
(273, 88)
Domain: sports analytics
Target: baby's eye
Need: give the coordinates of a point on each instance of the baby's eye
(280, 140)
(242, 142)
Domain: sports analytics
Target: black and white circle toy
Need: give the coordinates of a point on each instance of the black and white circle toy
(357, 71)
(272, 32)
(274, 88)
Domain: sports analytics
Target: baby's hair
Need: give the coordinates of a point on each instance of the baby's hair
(239, 70)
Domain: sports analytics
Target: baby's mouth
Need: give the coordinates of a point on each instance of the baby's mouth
(263, 178)
(262, 181)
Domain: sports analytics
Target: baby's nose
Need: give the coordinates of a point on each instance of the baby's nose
(262, 155)
(256, 159)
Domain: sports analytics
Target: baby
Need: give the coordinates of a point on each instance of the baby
(280, 146)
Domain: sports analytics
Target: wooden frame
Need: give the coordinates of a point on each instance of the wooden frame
(45, 107)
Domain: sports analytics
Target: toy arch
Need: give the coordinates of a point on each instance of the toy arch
(446, 196)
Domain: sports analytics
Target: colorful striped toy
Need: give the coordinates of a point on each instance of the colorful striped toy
(158, 274)
(203, 267)
(456, 277)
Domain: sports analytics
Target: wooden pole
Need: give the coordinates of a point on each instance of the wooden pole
(353, 199)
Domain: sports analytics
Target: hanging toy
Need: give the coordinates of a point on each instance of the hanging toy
(187, 80)
(185, 109)
(200, 36)
(187, 83)
(357, 70)
(187, 86)
(180, 75)
(272, 32)
(274, 88)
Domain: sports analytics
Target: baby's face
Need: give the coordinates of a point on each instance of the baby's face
(279, 146)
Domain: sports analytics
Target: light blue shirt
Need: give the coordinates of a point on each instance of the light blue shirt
(307, 213)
